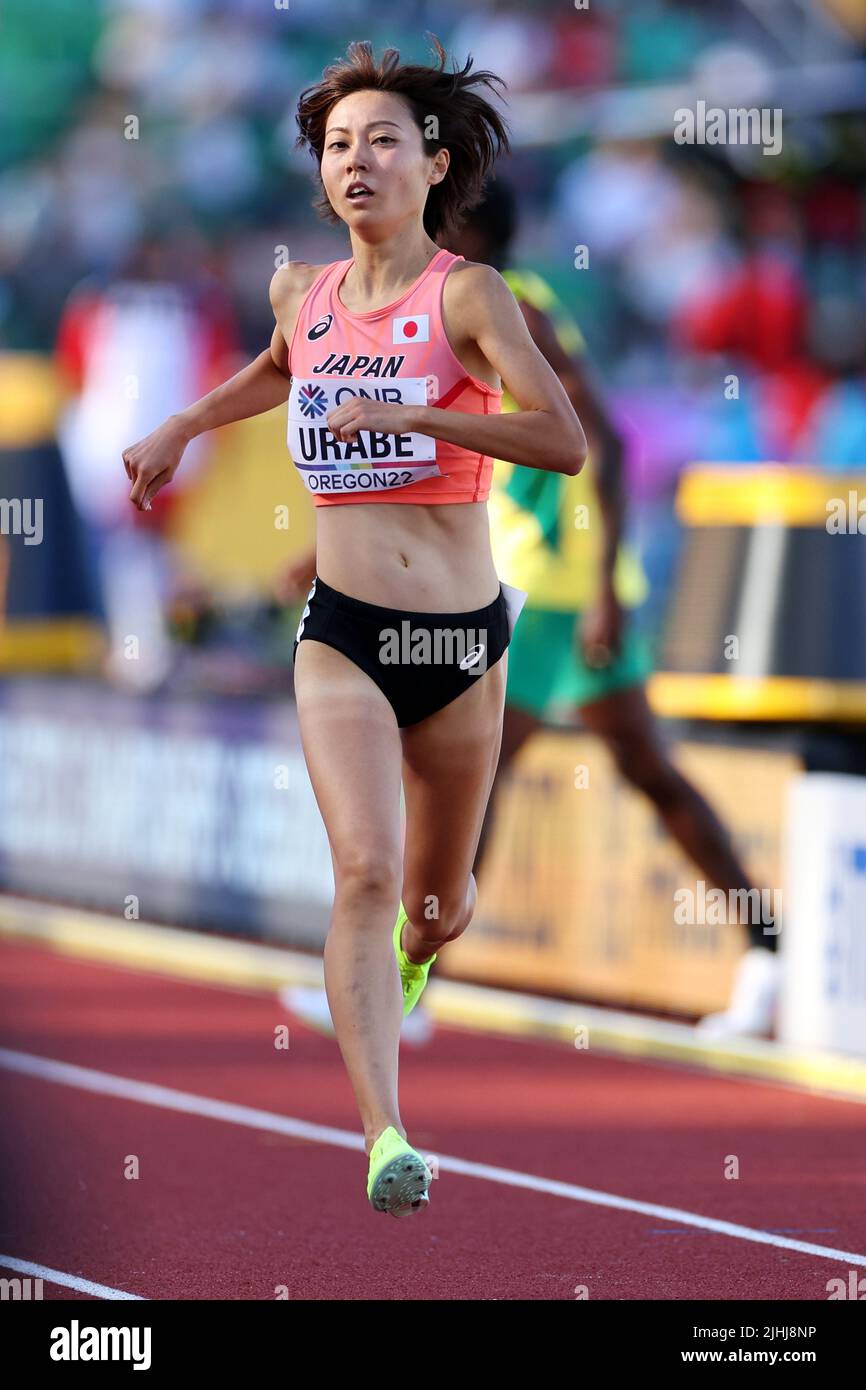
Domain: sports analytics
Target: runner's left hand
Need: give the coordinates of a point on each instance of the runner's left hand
(362, 413)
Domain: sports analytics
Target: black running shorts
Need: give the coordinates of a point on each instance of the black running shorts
(420, 661)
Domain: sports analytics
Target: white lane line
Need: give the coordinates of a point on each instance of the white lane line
(125, 1088)
(216, 962)
(69, 1281)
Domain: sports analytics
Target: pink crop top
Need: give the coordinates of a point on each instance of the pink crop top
(398, 353)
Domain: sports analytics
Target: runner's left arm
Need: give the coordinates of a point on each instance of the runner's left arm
(543, 433)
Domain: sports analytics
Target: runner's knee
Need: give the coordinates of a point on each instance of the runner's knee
(366, 875)
(436, 916)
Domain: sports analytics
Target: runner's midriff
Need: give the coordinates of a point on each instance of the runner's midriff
(430, 559)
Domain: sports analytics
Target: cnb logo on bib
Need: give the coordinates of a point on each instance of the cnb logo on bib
(373, 461)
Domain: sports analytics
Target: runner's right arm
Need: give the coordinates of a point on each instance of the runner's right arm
(260, 386)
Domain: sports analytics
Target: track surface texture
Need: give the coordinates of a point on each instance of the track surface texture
(240, 1173)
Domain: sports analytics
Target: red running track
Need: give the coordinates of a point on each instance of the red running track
(225, 1211)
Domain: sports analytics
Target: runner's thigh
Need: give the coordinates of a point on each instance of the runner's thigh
(449, 761)
(352, 749)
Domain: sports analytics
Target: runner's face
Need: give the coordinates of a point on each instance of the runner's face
(372, 138)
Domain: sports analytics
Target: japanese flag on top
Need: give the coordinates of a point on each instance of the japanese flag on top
(414, 329)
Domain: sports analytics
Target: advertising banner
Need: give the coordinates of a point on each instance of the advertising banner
(199, 812)
(823, 1002)
(584, 893)
(194, 812)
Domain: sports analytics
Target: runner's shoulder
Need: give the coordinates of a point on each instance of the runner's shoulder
(471, 284)
(475, 275)
(291, 281)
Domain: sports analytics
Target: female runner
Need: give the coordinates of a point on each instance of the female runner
(392, 362)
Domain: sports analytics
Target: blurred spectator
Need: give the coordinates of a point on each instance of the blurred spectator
(509, 38)
(618, 194)
(134, 351)
(705, 262)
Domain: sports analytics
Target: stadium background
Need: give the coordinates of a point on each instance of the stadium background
(150, 145)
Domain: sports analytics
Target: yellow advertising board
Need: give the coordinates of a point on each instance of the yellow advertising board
(584, 894)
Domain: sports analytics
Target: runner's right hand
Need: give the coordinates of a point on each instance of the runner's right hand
(154, 460)
(296, 576)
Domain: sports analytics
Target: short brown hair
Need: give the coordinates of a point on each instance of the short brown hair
(468, 126)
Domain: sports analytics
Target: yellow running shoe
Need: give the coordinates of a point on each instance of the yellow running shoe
(414, 977)
(398, 1178)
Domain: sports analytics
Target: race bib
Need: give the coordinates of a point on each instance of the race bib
(372, 462)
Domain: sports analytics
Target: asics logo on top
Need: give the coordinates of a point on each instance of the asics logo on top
(319, 329)
(312, 400)
(472, 657)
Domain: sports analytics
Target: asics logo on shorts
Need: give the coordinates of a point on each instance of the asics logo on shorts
(472, 657)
